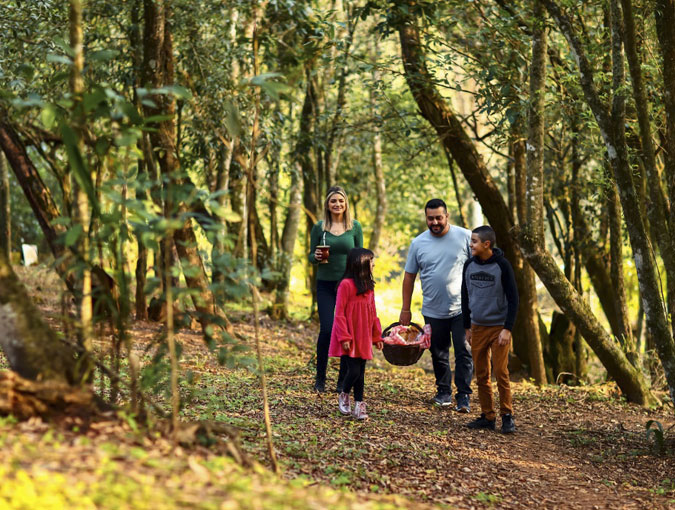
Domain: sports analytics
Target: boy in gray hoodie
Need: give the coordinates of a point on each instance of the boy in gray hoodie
(489, 306)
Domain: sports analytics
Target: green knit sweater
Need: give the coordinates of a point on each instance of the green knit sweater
(339, 248)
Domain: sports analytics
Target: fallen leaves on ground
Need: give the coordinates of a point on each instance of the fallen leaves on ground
(574, 448)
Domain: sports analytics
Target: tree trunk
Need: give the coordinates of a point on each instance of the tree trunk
(664, 14)
(333, 149)
(82, 210)
(141, 270)
(288, 237)
(616, 268)
(158, 72)
(304, 152)
(562, 357)
(378, 171)
(32, 348)
(612, 128)
(520, 342)
(451, 133)
(534, 204)
(39, 197)
(5, 211)
(630, 380)
(225, 160)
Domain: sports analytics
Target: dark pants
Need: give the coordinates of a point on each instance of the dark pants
(326, 294)
(355, 377)
(441, 332)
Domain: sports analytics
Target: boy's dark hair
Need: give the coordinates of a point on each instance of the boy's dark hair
(486, 233)
(358, 269)
(435, 203)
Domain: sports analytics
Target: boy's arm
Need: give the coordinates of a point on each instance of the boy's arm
(466, 311)
(511, 292)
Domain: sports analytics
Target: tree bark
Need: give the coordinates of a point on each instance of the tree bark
(664, 14)
(630, 380)
(32, 348)
(39, 197)
(288, 237)
(451, 134)
(520, 341)
(332, 153)
(535, 184)
(158, 71)
(625, 335)
(305, 155)
(141, 270)
(534, 224)
(612, 129)
(5, 210)
(378, 171)
(82, 210)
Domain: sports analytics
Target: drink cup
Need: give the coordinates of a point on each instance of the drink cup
(325, 252)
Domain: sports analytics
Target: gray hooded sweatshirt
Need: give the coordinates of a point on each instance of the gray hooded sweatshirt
(489, 292)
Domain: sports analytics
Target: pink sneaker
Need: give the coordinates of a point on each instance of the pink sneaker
(343, 403)
(360, 411)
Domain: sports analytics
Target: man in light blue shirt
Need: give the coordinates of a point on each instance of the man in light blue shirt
(438, 255)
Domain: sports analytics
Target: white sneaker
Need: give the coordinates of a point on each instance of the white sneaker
(360, 411)
(343, 403)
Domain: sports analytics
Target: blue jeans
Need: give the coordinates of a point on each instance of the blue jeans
(326, 295)
(441, 332)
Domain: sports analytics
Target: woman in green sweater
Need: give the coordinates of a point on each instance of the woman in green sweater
(338, 231)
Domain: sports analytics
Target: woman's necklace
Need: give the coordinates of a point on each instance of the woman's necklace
(337, 229)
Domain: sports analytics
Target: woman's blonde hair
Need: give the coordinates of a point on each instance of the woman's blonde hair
(346, 217)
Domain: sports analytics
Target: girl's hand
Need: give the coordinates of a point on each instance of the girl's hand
(345, 345)
(317, 254)
(379, 345)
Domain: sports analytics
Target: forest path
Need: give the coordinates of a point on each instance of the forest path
(574, 447)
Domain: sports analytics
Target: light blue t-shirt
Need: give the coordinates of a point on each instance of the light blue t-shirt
(440, 261)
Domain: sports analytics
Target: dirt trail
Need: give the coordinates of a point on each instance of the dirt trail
(574, 448)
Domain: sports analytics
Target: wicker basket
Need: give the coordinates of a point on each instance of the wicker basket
(401, 355)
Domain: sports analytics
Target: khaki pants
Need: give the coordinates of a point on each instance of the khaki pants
(484, 346)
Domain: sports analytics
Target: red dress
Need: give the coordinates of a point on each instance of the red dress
(355, 320)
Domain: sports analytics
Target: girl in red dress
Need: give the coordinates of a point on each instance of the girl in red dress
(355, 327)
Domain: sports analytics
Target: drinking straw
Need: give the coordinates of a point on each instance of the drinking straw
(323, 243)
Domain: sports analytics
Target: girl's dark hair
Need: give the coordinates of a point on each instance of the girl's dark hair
(358, 269)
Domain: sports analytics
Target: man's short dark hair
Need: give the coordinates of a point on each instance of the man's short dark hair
(435, 203)
(486, 233)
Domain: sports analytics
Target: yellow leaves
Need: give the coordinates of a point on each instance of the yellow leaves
(199, 470)
(45, 490)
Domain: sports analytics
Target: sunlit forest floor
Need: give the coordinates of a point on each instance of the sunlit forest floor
(575, 447)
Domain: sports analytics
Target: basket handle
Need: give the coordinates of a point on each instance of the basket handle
(386, 331)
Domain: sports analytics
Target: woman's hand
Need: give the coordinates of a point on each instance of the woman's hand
(317, 254)
(346, 345)
(379, 345)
